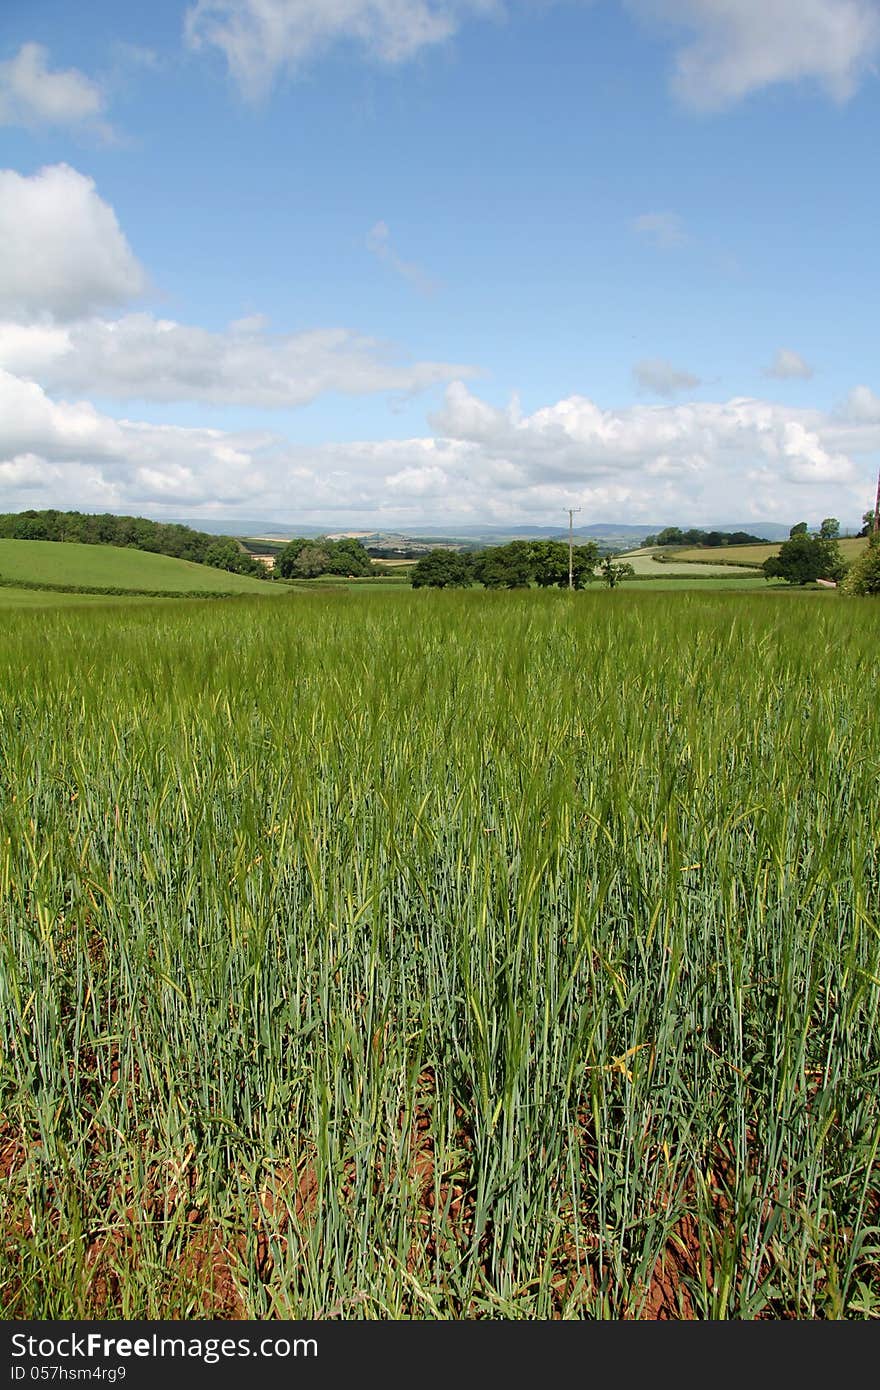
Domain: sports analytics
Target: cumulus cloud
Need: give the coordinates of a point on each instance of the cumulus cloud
(64, 253)
(695, 455)
(262, 38)
(660, 378)
(740, 47)
(688, 461)
(72, 450)
(665, 230)
(32, 95)
(788, 365)
(142, 357)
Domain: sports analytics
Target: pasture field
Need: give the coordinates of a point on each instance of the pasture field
(850, 548)
(473, 955)
(643, 564)
(109, 566)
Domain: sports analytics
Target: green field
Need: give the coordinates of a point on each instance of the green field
(107, 566)
(53, 598)
(643, 563)
(757, 554)
(464, 956)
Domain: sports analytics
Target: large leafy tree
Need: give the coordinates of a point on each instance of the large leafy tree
(803, 559)
(505, 566)
(549, 560)
(442, 569)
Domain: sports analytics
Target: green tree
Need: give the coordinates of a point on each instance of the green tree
(803, 559)
(344, 557)
(347, 557)
(504, 566)
(864, 572)
(442, 569)
(223, 554)
(867, 523)
(549, 562)
(830, 528)
(799, 529)
(311, 561)
(286, 559)
(613, 571)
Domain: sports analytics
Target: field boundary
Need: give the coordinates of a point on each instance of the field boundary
(116, 590)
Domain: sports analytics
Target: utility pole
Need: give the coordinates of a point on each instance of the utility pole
(877, 506)
(571, 512)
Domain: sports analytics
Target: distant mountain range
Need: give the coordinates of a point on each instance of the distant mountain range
(611, 534)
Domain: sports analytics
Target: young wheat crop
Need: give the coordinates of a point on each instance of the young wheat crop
(441, 956)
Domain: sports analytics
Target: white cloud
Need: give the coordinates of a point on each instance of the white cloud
(72, 450)
(262, 38)
(141, 357)
(694, 462)
(64, 253)
(429, 481)
(65, 257)
(693, 458)
(789, 365)
(379, 243)
(659, 377)
(862, 405)
(665, 230)
(31, 95)
(741, 46)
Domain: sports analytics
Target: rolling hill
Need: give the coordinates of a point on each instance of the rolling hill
(104, 568)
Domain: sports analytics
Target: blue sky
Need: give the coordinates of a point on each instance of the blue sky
(399, 262)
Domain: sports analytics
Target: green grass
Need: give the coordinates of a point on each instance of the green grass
(106, 566)
(468, 956)
(53, 598)
(685, 578)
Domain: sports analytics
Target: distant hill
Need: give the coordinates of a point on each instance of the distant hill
(614, 535)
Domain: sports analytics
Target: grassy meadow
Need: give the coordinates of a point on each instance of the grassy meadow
(463, 956)
(106, 566)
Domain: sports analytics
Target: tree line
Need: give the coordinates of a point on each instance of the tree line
(673, 535)
(517, 566)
